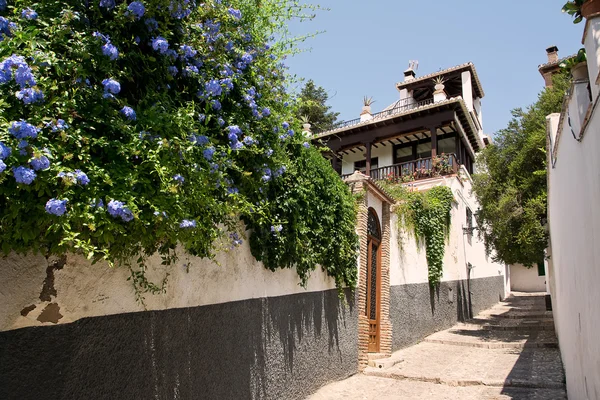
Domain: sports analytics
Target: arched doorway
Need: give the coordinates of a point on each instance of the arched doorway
(373, 279)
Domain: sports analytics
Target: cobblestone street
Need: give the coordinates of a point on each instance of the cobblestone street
(507, 352)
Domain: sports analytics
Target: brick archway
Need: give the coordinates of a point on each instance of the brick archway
(374, 197)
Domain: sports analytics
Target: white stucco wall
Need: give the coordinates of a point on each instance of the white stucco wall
(408, 263)
(384, 153)
(574, 221)
(84, 290)
(523, 279)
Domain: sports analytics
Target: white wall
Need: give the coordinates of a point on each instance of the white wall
(85, 290)
(384, 153)
(408, 263)
(523, 279)
(574, 220)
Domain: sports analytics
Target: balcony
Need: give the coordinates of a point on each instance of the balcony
(410, 171)
(400, 107)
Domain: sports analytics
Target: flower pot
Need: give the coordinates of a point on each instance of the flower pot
(580, 71)
(439, 87)
(590, 7)
(366, 110)
(306, 127)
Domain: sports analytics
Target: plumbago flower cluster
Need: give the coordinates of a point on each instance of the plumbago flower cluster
(130, 127)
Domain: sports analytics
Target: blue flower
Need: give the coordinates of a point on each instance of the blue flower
(280, 171)
(28, 13)
(249, 141)
(305, 144)
(221, 121)
(285, 125)
(269, 152)
(236, 130)
(107, 4)
(110, 50)
(172, 70)
(229, 46)
(111, 86)
(213, 87)
(129, 113)
(180, 8)
(208, 153)
(24, 175)
(3, 5)
(276, 228)
(119, 209)
(216, 105)
(187, 224)
(187, 51)
(2, 166)
(137, 9)
(160, 44)
(81, 177)
(235, 239)
(266, 111)
(22, 129)
(60, 125)
(24, 76)
(266, 175)
(40, 163)
(178, 178)
(201, 140)
(237, 14)
(151, 24)
(30, 95)
(4, 151)
(56, 207)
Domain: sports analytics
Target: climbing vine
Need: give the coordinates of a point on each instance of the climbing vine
(129, 128)
(428, 215)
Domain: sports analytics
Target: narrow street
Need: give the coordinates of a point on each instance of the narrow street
(507, 352)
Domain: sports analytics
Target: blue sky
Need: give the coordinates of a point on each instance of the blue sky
(367, 46)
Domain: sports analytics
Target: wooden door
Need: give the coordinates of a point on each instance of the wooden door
(373, 279)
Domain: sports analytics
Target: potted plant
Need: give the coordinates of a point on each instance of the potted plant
(367, 101)
(439, 84)
(580, 9)
(577, 65)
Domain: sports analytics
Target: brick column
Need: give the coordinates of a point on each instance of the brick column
(361, 287)
(385, 325)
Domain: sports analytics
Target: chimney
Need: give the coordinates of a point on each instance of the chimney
(409, 75)
(552, 53)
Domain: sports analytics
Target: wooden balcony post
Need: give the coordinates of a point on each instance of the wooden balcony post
(335, 163)
(433, 141)
(368, 157)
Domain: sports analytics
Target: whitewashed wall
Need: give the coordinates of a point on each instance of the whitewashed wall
(574, 221)
(85, 290)
(523, 279)
(384, 153)
(408, 261)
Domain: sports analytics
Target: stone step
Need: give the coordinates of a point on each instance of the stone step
(474, 336)
(506, 324)
(517, 314)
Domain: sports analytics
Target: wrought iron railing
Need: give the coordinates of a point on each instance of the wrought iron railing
(402, 106)
(422, 168)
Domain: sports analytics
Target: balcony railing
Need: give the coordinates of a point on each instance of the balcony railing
(422, 168)
(402, 106)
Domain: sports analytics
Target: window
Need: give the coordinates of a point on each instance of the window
(424, 150)
(362, 165)
(470, 220)
(446, 146)
(541, 269)
(403, 154)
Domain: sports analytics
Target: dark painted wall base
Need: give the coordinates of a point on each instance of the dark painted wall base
(417, 311)
(276, 348)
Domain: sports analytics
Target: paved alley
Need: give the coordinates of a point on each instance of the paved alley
(507, 352)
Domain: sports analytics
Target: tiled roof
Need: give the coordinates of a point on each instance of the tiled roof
(445, 71)
(551, 64)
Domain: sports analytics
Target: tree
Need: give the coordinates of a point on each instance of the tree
(511, 184)
(130, 128)
(312, 104)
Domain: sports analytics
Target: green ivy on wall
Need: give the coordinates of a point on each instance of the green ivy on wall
(427, 215)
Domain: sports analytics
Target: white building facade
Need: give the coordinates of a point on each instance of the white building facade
(574, 217)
